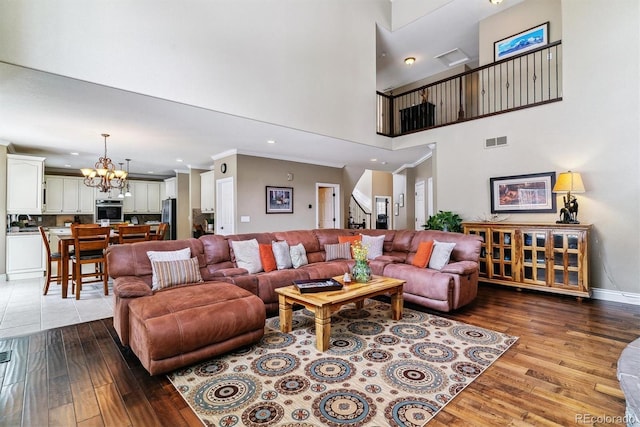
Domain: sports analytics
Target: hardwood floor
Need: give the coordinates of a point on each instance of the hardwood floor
(562, 370)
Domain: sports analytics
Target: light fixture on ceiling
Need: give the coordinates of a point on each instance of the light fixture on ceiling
(495, 1)
(127, 193)
(410, 60)
(104, 174)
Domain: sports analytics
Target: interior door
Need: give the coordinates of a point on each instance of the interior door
(225, 216)
(328, 205)
(420, 205)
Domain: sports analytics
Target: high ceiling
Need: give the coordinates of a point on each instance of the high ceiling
(50, 115)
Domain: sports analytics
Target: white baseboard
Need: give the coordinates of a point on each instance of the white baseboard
(615, 296)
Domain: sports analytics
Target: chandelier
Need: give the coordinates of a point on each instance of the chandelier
(104, 174)
(128, 192)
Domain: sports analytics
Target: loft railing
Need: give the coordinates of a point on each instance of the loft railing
(527, 80)
(358, 217)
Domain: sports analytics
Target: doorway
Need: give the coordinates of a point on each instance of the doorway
(225, 223)
(382, 212)
(328, 205)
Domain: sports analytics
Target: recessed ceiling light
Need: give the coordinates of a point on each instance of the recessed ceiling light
(67, 166)
(179, 160)
(150, 172)
(374, 160)
(73, 153)
(271, 141)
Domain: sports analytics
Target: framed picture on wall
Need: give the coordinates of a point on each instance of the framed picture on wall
(279, 199)
(523, 193)
(525, 41)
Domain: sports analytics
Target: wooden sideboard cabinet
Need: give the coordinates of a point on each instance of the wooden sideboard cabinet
(546, 257)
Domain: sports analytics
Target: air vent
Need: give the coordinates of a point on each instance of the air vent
(453, 57)
(499, 141)
(5, 356)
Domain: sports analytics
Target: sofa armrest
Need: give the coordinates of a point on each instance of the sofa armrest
(230, 272)
(130, 287)
(460, 267)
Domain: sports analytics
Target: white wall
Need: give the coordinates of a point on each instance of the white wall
(594, 131)
(310, 53)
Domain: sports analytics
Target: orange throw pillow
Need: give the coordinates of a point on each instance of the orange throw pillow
(267, 258)
(351, 240)
(423, 254)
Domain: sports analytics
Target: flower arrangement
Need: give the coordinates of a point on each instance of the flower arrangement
(359, 251)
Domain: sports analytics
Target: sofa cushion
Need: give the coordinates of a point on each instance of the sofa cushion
(267, 258)
(177, 272)
(247, 254)
(423, 255)
(441, 254)
(338, 251)
(282, 255)
(374, 245)
(298, 255)
(182, 254)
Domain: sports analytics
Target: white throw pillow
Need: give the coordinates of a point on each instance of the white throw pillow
(374, 245)
(298, 255)
(247, 254)
(178, 255)
(440, 255)
(282, 255)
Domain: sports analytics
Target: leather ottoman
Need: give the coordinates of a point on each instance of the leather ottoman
(181, 326)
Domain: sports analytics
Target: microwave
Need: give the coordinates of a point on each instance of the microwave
(113, 210)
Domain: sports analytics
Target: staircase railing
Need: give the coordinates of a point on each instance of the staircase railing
(358, 216)
(527, 80)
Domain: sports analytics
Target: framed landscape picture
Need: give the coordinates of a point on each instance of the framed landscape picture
(523, 193)
(525, 41)
(279, 199)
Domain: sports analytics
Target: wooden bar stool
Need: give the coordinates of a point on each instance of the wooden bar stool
(90, 245)
(134, 233)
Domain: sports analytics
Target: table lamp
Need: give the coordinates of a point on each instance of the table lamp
(571, 182)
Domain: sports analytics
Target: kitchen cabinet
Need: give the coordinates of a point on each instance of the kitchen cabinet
(145, 198)
(546, 257)
(25, 175)
(68, 195)
(26, 257)
(207, 194)
(171, 189)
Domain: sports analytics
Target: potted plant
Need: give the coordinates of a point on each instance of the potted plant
(445, 221)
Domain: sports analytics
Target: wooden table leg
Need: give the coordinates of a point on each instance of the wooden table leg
(359, 304)
(397, 304)
(286, 314)
(323, 328)
(64, 261)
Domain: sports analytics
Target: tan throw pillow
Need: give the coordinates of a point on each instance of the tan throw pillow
(165, 256)
(440, 255)
(180, 272)
(338, 251)
(374, 245)
(298, 255)
(283, 255)
(247, 254)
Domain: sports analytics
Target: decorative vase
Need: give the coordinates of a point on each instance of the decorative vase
(361, 272)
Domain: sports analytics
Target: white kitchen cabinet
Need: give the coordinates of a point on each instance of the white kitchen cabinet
(24, 184)
(207, 192)
(171, 188)
(145, 198)
(68, 195)
(26, 257)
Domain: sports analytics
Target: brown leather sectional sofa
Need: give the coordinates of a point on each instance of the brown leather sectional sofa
(180, 325)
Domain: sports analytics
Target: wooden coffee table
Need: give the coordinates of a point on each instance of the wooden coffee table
(323, 304)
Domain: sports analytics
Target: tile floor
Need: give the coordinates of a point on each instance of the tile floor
(24, 310)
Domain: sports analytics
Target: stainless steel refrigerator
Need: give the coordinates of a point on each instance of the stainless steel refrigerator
(169, 216)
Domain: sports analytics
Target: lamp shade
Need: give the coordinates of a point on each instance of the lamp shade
(569, 181)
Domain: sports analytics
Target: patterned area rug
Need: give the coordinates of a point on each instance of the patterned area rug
(377, 371)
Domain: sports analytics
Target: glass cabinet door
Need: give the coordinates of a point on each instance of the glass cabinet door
(502, 253)
(534, 256)
(483, 261)
(566, 259)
